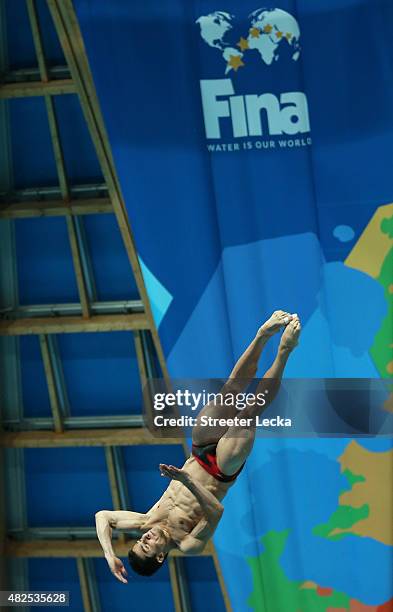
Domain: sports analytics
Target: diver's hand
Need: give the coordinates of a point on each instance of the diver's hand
(117, 568)
(175, 473)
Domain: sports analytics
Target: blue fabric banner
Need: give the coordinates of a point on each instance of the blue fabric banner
(253, 147)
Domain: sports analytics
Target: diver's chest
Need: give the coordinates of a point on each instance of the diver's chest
(179, 522)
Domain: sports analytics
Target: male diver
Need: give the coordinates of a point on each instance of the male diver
(187, 514)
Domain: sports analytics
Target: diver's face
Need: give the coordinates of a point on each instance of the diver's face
(151, 544)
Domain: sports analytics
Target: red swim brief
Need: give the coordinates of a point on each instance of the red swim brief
(207, 458)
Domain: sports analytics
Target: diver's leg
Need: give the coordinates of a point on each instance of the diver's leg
(240, 377)
(236, 444)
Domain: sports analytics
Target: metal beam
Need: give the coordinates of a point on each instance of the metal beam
(3, 566)
(60, 163)
(92, 585)
(16, 513)
(117, 481)
(75, 548)
(67, 26)
(32, 74)
(175, 585)
(86, 260)
(140, 358)
(12, 511)
(144, 373)
(59, 379)
(88, 605)
(4, 578)
(10, 375)
(33, 88)
(70, 308)
(181, 595)
(68, 30)
(52, 192)
(69, 325)
(148, 351)
(54, 533)
(114, 485)
(221, 580)
(37, 38)
(55, 208)
(83, 437)
(57, 148)
(51, 383)
(63, 533)
(65, 191)
(78, 267)
(72, 422)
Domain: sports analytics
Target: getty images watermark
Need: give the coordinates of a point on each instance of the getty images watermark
(291, 407)
(193, 404)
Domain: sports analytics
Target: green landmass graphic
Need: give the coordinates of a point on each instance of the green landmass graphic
(352, 478)
(344, 516)
(274, 592)
(381, 351)
(387, 226)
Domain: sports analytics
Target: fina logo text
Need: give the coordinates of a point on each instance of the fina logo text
(263, 114)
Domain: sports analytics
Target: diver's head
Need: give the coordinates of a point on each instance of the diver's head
(150, 551)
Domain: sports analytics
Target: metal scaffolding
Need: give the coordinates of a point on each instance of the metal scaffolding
(88, 315)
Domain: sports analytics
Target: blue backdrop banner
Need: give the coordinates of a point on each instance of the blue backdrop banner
(253, 147)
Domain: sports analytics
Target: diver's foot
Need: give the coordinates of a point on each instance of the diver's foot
(278, 319)
(290, 336)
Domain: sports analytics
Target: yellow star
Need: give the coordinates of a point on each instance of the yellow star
(288, 36)
(255, 32)
(279, 34)
(268, 28)
(243, 43)
(235, 62)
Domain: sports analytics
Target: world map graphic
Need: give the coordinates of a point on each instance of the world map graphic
(269, 30)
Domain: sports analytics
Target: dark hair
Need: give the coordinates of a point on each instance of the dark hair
(145, 566)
